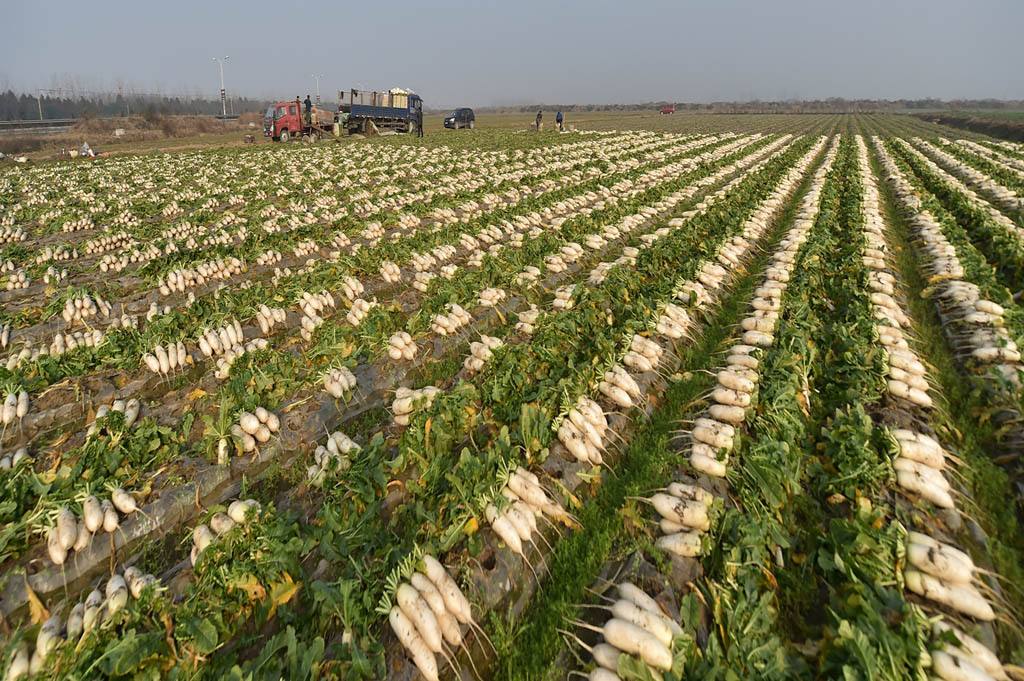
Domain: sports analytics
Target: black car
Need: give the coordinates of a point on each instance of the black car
(460, 118)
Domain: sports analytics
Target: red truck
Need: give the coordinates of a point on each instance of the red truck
(668, 108)
(285, 120)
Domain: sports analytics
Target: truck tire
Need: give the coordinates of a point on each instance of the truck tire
(284, 136)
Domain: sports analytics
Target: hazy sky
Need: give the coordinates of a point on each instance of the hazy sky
(519, 51)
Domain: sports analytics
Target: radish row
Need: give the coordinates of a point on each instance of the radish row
(637, 627)
(81, 620)
(972, 197)
(129, 408)
(935, 570)
(713, 435)
(339, 381)
(977, 326)
(334, 456)
(72, 534)
(1004, 196)
(239, 512)
(407, 401)
(428, 615)
(254, 429)
(1013, 165)
(178, 281)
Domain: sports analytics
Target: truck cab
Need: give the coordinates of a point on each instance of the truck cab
(282, 121)
(287, 120)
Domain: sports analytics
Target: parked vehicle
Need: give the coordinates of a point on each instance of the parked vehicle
(365, 112)
(285, 120)
(668, 108)
(460, 118)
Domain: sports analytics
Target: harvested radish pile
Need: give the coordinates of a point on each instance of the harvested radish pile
(618, 405)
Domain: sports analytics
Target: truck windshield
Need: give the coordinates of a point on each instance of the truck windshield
(269, 113)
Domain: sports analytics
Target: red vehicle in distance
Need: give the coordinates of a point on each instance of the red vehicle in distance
(286, 120)
(668, 108)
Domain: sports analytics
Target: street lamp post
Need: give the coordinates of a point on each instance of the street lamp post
(317, 77)
(223, 93)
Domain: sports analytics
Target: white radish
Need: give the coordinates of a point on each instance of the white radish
(430, 593)
(249, 423)
(965, 599)
(162, 359)
(239, 509)
(405, 630)
(978, 652)
(926, 488)
(606, 655)
(730, 397)
(67, 528)
(504, 529)
(454, 599)
(685, 544)
(123, 501)
(650, 622)
(631, 639)
(727, 413)
(110, 519)
(74, 624)
(221, 523)
(527, 490)
(935, 561)
(954, 668)
(83, 539)
(707, 463)
(690, 492)
(56, 551)
(420, 614)
(202, 537)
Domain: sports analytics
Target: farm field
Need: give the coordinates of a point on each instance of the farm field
(667, 397)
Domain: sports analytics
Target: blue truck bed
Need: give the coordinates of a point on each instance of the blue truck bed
(377, 112)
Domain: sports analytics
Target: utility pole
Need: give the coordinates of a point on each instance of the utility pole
(317, 77)
(39, 101)
(223, 92)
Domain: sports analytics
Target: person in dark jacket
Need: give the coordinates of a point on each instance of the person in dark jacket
(558, 120)
(419, 121)
(539, 117)
(308, 104)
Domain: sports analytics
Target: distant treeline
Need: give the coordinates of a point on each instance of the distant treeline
(15, 107)
(1004, 128)
(834, 105)
(23, 106)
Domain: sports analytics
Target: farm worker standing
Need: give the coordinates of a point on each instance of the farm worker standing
(539, 117)
(558, 120)
(309, 110)
(419, 121)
